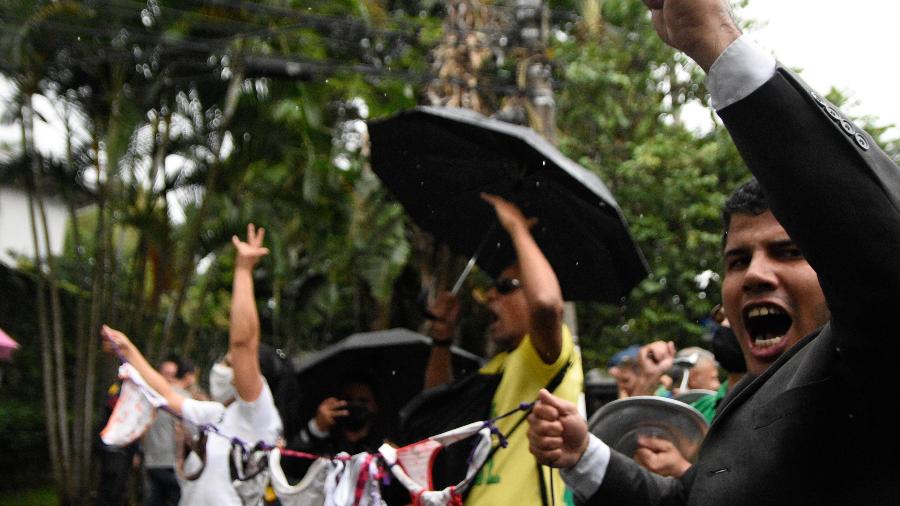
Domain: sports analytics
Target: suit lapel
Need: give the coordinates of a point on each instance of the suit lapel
(748, 388)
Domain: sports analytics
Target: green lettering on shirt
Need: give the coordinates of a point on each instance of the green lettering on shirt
(486, 475)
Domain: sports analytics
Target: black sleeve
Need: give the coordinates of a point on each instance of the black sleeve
(835, 192)
(627, 483)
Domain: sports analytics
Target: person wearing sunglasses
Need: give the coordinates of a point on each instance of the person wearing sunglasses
(535, 349)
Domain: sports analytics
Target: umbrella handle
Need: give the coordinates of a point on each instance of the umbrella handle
(471, 263)
(465, 274)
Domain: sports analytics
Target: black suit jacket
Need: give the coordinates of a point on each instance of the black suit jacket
(817, 427)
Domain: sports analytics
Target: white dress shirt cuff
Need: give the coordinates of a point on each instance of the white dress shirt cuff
(586, 476)
(738, 71)
(315, 431)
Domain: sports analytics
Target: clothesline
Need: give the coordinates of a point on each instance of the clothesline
(413, 471)
(154, 397)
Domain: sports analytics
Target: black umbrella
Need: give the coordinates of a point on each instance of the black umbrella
(437, 162)
(620, 422)
(395, 359)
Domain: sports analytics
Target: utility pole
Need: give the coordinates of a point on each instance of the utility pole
(534, 77)
(465, 52)
(462, 70)
(473, 45)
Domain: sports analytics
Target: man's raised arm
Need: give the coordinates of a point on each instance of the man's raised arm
(243, 336)
(539, 282)
(832, 188)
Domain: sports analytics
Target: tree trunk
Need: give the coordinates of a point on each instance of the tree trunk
(211, 274)
(53, 418)
(97, 294)
(70, 456)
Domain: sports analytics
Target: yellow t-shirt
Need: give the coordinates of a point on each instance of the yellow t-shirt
(510, 477)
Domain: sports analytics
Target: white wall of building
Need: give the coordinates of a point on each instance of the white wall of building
(15, 225)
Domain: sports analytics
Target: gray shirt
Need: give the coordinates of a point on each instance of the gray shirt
(160, 447)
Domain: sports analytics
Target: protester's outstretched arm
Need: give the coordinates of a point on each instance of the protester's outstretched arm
(243, 337)
(557, 433)
(654, 360)
(539, 282)
(445, 311)
(119, 342)
(558, 437)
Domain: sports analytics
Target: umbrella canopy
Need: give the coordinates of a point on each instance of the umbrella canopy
(7, 346)
(437, 162)
(620, 422)
(395, 359)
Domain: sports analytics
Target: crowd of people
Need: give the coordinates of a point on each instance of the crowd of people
(802, 336)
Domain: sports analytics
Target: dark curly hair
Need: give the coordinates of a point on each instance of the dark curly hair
(748, 198)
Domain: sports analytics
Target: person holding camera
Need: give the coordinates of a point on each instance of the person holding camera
(347, 422)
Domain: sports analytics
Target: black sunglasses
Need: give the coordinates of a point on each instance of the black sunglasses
(506, 285)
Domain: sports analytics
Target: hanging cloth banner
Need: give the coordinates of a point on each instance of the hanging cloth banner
(135, 410)
(311, 489)
(412, 464)
(353, 482)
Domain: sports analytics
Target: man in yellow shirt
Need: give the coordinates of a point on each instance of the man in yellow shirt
(527, 305)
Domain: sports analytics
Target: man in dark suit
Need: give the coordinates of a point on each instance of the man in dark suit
(810, 424)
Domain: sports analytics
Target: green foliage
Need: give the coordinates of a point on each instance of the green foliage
(669, 181)
(185, 164)
(22, 430)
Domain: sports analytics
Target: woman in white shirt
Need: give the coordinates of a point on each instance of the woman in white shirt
(243, 406)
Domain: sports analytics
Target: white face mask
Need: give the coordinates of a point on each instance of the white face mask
(221, 383)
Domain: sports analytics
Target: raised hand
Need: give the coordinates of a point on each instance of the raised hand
(116, 342)
(329, 411)
(557, 433)
(445, 309)
(249, 252)
(654, 360)
(702, 29)
(508, 213)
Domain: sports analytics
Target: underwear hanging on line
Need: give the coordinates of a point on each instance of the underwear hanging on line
(311, 489)
(249, 471)
(412, 464)
(135, 409)
(354, 482)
